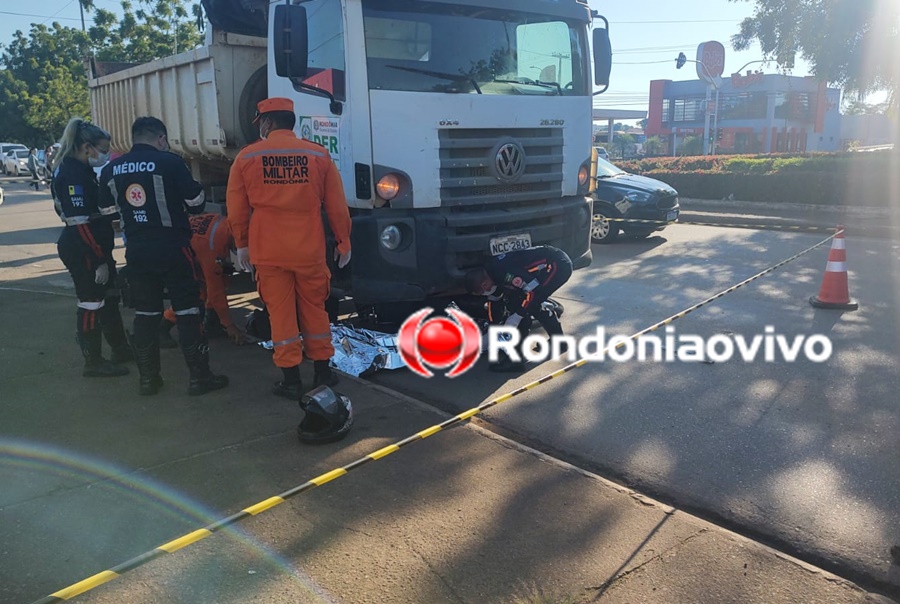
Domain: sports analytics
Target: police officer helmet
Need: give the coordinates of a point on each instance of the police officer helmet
(329, 416)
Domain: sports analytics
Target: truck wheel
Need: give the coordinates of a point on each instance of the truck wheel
(603, 230)
(255, 90)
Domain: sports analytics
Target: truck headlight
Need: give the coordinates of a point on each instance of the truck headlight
(391, 238)
(388, 186)
(583, 175)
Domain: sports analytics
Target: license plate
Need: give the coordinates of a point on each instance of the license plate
(510, 243)
(672, 215)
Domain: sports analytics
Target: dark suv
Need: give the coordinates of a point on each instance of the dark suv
(623, 195)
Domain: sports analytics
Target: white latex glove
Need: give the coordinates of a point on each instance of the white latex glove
(101, 275)
(243, 259)
(341, 259)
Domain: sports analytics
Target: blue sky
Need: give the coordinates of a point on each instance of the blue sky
(646, 36)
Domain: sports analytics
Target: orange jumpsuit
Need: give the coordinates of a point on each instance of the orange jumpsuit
(211, 240)
(276, 190)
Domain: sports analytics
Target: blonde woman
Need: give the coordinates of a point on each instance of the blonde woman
(86, 245)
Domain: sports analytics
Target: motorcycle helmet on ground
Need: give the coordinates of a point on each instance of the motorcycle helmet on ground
(329, 416)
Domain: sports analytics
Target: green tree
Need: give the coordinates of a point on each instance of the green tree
(43, 80)
(852, 43)
(625, 144)
(691, 145)
(157, 28)
(43, 84)
(653, 146)
(860, 107)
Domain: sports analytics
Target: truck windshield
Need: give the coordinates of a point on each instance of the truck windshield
(454, 48)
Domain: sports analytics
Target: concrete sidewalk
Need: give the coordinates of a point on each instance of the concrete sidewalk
(94, 475)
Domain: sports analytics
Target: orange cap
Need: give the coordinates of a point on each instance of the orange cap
(276, 103)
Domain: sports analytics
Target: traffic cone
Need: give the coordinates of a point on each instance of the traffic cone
(834, 292)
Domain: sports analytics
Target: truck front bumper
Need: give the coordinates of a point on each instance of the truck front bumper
(438, 245)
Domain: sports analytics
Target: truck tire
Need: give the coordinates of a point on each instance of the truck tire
(255, 90)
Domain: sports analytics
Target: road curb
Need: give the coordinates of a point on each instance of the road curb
(777, 209)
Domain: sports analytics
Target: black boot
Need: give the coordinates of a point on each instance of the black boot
(146, 353)
(549, 320)
(114, 331)
(196, 355)
(165, 335)
(291, 386)
(323, 375)
(90, 339)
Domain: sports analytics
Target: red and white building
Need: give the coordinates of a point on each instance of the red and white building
(758, 113)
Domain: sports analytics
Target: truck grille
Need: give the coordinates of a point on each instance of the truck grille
(468, 174)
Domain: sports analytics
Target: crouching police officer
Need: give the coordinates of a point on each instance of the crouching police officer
(155, 192)
(521, 281)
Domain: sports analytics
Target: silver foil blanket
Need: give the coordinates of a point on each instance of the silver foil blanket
(360, 352)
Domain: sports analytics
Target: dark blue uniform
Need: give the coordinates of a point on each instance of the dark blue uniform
(85, 244)
(155, 192)
(87, 240)
(526, 278)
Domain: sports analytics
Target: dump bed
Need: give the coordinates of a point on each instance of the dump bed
(206, 97)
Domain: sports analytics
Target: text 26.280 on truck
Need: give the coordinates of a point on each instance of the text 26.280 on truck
(460, 129)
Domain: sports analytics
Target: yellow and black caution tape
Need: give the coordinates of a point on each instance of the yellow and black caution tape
(199, 534)
(722, 224)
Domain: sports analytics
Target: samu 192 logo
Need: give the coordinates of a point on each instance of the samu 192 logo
(440, 342)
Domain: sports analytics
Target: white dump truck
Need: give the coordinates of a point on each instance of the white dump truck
(461, 129)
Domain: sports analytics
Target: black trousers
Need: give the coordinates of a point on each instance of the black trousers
(154, 267)
(560, 271)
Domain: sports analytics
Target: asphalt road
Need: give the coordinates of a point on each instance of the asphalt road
(801, 454)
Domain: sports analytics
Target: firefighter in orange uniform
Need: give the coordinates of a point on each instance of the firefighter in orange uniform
(212, 242)
(276, 191)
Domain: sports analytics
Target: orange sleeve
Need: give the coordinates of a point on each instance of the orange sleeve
(237, 203)
(216, 296)
(336, 207)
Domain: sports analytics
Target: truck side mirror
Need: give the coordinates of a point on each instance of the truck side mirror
(291, 41)
(602, 57)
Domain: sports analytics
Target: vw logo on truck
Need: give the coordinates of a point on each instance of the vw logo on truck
(509, 161)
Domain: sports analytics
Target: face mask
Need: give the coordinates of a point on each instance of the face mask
(490, 291)
(100, 160)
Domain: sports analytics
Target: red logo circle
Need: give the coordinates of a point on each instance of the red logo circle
(440, 342)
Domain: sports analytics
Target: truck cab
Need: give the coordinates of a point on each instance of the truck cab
(460, 129)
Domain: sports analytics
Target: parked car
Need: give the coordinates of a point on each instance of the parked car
(622, 195)
(6, 148)
(601, 151)
(16, 162)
